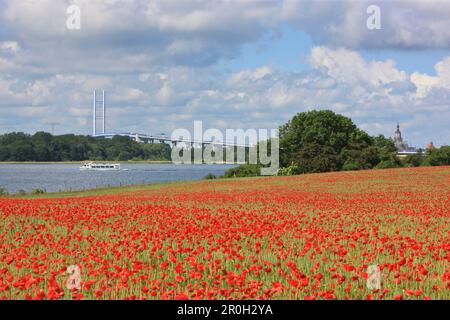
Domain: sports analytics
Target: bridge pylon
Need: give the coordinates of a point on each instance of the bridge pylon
(99, 113)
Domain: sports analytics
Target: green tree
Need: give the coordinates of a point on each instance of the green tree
(21, 151)
(386, 147)
(42, 152)
(42, 146)
(123, 156)
(413, 160)
(319, 141)
(314, 157)
(440, 156)
(324, 128)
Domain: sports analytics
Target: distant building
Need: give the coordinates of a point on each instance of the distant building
(398, 140)
(402, 146)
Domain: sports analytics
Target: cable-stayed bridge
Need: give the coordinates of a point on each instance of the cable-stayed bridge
(99, 129)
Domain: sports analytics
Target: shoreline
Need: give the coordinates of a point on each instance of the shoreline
(80, 162)
(119, 189)
(157, 185)
(100, 190)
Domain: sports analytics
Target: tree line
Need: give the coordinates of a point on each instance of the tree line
(43, 146)
(313, 141)
(323, 141)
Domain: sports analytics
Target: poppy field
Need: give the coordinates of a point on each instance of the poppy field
(299, 237)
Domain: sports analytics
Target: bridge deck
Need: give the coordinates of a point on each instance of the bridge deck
(168, 139)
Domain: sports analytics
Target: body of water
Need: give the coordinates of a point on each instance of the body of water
(66, 177)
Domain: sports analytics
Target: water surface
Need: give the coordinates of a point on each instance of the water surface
(66, 177)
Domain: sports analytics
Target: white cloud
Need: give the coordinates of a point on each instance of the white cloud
(404, 24)
(246, 77)
(165, 93)
(9, 47)
(6, 64)
(443, 71)
(349, 67)
(426, 83)
(157, 61)
(133, 94)
(125, 35)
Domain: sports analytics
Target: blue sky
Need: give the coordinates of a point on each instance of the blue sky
(287, 52)
(233, 64)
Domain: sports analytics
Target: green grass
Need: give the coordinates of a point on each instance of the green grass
(129, 188)
(99, 191)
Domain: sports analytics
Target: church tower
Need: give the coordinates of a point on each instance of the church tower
(398, 134)
(398, 140)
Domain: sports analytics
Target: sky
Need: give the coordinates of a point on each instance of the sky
(232, 64)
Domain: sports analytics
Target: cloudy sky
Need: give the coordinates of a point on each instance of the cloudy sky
(233, 64)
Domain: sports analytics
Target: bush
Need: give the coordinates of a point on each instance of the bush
(414, 160)
(245, 170)
(38, 191)
(425, 162)
(21, 192)
(440, 156)
(387, 164)
(3, 191)
(210, 176)
(351, 165)
(292, 170)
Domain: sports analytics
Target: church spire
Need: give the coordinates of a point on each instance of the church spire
(398, 134)
(398, 141)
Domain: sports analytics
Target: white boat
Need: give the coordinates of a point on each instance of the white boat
(100, 166)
